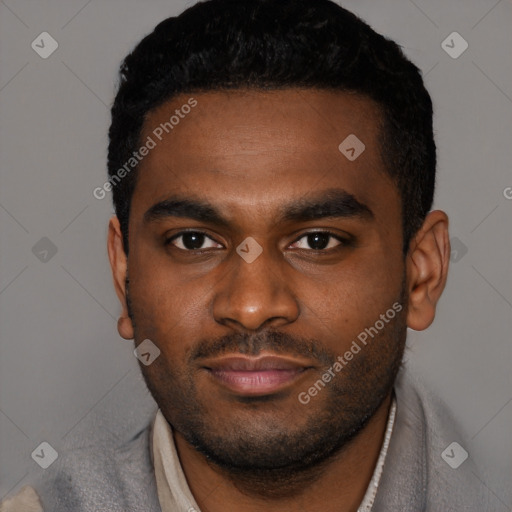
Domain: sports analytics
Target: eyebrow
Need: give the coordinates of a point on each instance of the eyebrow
(330, 203)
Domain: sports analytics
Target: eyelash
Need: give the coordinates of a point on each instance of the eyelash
(343, 241)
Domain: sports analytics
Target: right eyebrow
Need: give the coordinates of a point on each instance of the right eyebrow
(177, 206)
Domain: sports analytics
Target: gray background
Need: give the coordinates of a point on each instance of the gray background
(61, 359)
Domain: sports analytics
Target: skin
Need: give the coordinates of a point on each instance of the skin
(250, 153)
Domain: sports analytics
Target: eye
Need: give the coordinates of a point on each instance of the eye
(191, 241)
(317, 241)
(320, 241)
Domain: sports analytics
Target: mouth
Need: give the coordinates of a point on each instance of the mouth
(251, 376)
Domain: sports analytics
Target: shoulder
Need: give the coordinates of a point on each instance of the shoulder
(99, 476)
(429, 463)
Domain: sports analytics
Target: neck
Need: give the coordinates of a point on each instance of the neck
(338, 484)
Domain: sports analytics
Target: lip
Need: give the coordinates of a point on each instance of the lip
(251, 376)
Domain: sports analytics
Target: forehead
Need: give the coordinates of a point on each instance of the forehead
(256, 149)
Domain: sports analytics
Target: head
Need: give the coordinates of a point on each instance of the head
(280, 210)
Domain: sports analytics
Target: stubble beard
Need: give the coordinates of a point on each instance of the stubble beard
(276, 458)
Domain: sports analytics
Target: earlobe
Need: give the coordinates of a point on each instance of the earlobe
(125, 327)
(119, 266)
(427, 269)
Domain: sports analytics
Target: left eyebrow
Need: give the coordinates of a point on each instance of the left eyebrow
(333, 203)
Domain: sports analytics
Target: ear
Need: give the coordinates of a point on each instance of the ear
(119, 265)
(427, 269)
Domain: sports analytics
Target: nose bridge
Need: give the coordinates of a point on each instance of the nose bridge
(255, 293)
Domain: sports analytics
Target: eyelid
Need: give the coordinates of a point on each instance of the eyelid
(343, 241)
(168, 240)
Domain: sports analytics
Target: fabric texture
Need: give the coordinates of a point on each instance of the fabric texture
(415, 477)
(25, 501)
(173, 491)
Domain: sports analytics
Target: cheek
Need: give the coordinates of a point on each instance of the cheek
(166, 308)
(354, 296)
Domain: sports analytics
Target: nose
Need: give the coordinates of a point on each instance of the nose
(255, 294)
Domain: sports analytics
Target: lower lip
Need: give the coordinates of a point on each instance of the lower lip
(257, 382)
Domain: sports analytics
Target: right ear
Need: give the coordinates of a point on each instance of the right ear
(119, 265)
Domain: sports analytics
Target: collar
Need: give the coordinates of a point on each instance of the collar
(371, 490)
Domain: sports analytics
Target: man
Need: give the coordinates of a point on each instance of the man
(272, 165)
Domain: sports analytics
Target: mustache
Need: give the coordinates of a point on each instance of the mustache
(252, 344)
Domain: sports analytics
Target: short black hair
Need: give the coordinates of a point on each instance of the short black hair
(279, 44)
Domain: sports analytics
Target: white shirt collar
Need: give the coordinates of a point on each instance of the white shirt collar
(371, 490)
(174, 493)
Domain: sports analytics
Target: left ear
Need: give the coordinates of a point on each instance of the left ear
(427, 269)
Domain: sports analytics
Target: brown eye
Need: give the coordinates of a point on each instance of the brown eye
(320, 241)
(191, 241)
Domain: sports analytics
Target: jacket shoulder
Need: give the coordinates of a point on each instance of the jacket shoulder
(429, 465)
(102, 476)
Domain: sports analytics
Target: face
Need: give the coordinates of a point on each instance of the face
(258, 254)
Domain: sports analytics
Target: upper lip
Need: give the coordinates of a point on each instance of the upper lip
(247, 364)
